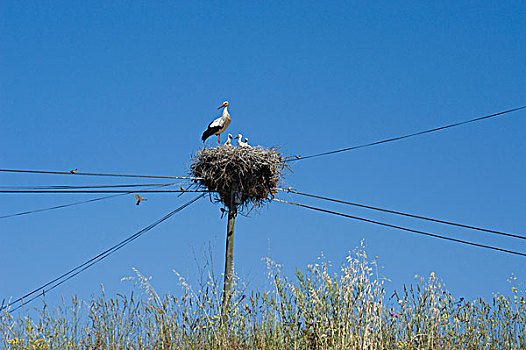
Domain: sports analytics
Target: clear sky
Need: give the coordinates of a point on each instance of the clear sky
(129, 87)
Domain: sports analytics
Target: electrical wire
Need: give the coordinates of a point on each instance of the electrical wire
(73, 172)
(66, 187)
(76, 203)
(299, 157)
(98, 191)
(63, 205)
(405, 214)
(404, 228)
(75, 271)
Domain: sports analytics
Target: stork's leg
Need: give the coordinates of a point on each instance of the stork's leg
(219, 139)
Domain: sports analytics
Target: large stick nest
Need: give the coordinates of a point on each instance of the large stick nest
(252, 172)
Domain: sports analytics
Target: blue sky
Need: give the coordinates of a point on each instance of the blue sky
(129, 87)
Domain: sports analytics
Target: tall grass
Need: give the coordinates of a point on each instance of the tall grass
(317, 309)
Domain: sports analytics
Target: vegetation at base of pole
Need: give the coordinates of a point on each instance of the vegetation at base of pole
(253, 172)
(322, 307)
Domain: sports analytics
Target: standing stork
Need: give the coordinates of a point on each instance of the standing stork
(219, 125)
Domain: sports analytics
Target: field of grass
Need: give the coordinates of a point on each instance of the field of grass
(317, 309)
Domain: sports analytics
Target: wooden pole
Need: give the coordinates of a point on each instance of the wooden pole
(229, 259)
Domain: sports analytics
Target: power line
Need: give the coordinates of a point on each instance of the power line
(406, 214)
(403, 228)
(98, 191)
(299, 157)
(63, 205)
(65, 187)
(75, 271)
(75, 203)
(72, 172)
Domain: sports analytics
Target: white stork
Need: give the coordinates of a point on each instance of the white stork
(240, 142)
(228, 140)
(219, 125)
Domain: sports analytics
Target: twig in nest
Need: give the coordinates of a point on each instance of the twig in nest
(254, 172)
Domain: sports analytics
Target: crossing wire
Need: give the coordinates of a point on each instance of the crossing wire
(403, 228)
(95, 174)
(299, 157)
(76, 203)
(405, 214)
(80, 268)
(64, 205)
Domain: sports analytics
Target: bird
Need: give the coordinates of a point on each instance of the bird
(139, 199)
(240, 143)
(183, 190)
(219, 125)
(246, 142)
(73, 171)
(229, 140)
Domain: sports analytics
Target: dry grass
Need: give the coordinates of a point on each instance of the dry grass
(253, 172)
(318, 309)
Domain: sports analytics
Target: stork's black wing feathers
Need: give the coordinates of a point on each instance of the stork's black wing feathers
(210, 131)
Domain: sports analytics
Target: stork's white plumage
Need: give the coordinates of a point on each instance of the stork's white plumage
(219, 125)
(228, 140)
(240, 142)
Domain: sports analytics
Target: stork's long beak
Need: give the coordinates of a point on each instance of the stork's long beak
(223, 105)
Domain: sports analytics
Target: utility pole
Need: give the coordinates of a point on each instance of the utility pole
(229, 255)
